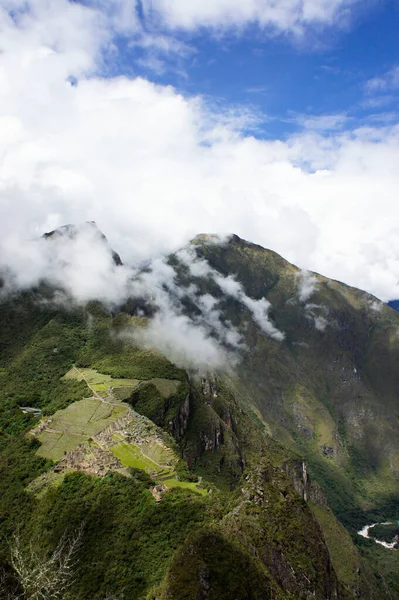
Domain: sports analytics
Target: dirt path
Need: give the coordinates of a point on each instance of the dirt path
(95, 394)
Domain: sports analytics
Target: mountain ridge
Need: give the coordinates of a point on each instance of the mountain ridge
(311, 387)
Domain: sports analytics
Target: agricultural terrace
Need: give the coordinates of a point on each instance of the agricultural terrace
(90, 417)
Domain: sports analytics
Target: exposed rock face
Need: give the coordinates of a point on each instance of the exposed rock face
(209, 388)
(212, 442)
(297, 472)
(259, 549)
(157, 492)
(178, 425)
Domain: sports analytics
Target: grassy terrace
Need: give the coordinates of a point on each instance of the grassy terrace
(132, 455)
(104, 385)
(86, 418)
(75, 424)
(119, 389)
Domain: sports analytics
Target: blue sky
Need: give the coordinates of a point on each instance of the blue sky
(160, 119)
(279, 76)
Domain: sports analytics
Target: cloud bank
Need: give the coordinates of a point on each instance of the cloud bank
(153, 167)
(80, 266)
(201, 338)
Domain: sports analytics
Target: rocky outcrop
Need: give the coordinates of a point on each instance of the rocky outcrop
(212, 440)
(297, 472)
(209, 388)
(178, 425)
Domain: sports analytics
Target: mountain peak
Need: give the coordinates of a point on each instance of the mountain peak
(72, 232)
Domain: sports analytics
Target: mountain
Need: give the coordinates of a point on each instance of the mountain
(394, 304)
(222, 431)
(89, 230)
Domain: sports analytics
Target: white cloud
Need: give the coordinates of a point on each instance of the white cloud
(201, 341)
(231, 287)
(386, 82)
(284, 15)
(317, 313)
(75, 259)
(320, 323)
(195, 342)
(154, 168)
(259, 308)
(322, 122)
(307, 284)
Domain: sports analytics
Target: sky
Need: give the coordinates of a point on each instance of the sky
(161, 119)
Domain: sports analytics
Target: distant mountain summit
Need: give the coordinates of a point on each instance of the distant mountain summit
(394, 304)
(87, 229)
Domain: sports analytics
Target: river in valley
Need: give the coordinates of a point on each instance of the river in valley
(365, 532)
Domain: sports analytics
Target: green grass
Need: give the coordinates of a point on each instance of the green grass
(345, 558)
(122, 389)
(166, 387)
(159, 454)
(75, 424)
(54, 445)
(87, 417)
(187, 485)
(130, 455)
(101, 382)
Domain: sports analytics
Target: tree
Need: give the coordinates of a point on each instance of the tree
(38, 575)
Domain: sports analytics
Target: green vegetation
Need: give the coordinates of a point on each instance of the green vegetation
(186, 485)
(103, 384)
(75, 424)
(31, 374)
(131, 455)
(384, 564)
(345, 557)
(156, 460)
(159, 401)
(329, 397)
(128, 538)
(385, 532)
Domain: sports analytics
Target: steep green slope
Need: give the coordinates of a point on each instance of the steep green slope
(255, 526)
(329, 393)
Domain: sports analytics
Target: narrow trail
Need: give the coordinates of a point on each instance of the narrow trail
(95, 393)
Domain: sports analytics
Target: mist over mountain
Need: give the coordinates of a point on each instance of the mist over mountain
(217, 422)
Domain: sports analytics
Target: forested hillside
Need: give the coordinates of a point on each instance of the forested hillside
(225, 435)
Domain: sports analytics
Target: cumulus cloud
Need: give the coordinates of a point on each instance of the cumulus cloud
(203, 338)
(258, 308)
(153, 167)
(317, 313)
(322, 122)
